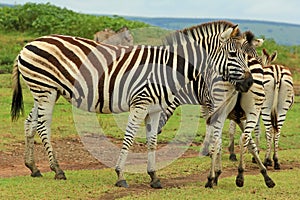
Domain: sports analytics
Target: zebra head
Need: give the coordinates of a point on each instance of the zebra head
(249, 45)
(235, 66)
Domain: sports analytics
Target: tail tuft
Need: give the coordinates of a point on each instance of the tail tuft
(17, 106)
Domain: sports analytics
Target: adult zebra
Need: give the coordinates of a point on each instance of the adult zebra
(112, 79)
(278, 84)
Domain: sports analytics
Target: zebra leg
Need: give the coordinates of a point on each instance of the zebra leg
(215, 150)
(46, 102)
(232, 129)
(257, 138)
(269, 139)
(206, 144)
(218, 169)
(30, 130)
(152, 122)
(276, 147)
(239, 181)
(208, 137)
(136, 117)
(253, 150)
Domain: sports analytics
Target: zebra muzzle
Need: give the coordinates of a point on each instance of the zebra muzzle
(245, 84)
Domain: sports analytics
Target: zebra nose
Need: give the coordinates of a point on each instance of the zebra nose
(244, 86)
(248, 80)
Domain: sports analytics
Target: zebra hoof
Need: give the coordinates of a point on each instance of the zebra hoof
(60, 176)
(209, 183)
(253, 160)
(276, 166)
(156, 184)
(267, 162)
(232, 157)
(36, 174)
(269, 182)
(122, 183)
(239, 181)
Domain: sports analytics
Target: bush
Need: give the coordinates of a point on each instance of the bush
(20, 24)
(44, 19)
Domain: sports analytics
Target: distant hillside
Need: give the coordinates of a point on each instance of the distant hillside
(282, 33)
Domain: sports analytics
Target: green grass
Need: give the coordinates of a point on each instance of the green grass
(94, 184)
(254, 189)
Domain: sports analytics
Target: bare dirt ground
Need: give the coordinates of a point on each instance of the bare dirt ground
(73, 156)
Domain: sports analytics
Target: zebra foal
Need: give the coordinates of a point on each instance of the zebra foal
(105, 78)
(278, 86)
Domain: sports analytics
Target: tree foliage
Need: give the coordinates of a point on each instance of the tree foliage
(44, 19)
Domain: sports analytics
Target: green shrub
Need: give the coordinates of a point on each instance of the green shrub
(44, 19)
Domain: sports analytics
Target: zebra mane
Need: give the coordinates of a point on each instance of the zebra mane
(249, 36)
(196, 33)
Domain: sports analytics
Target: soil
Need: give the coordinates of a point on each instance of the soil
(72, 155)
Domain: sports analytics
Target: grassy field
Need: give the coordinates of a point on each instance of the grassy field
(98, 184)
(183, 179)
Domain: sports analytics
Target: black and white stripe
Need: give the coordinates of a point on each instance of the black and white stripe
(278, 83)
(210, 91)
(278, 86)
(112, 79)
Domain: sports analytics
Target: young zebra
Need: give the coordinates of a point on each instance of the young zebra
(104, 78)
(278, 84)
(265, 59)
(211, 97)
(108, 36)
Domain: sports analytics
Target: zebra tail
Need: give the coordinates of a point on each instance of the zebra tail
(274, 119)
(17, 106)
(274, 113)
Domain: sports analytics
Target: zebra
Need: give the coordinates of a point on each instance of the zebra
(278, 83)
(104, 78)
(109, 36)
(265, 59)
(197, 93)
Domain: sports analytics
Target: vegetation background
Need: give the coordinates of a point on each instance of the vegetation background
(20, 24)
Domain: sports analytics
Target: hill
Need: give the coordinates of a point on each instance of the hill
(282, 33)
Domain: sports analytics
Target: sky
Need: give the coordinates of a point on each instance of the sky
(268, 10)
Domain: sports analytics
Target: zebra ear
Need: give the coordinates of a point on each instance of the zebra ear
(230, 32)
(273, 57)
(257, 42)
(265, 57)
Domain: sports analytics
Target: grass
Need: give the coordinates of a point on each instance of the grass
(254, 189)
(95, 184)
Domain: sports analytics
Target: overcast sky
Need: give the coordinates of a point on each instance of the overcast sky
(269, 10)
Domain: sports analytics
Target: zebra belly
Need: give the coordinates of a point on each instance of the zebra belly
(105, 106)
